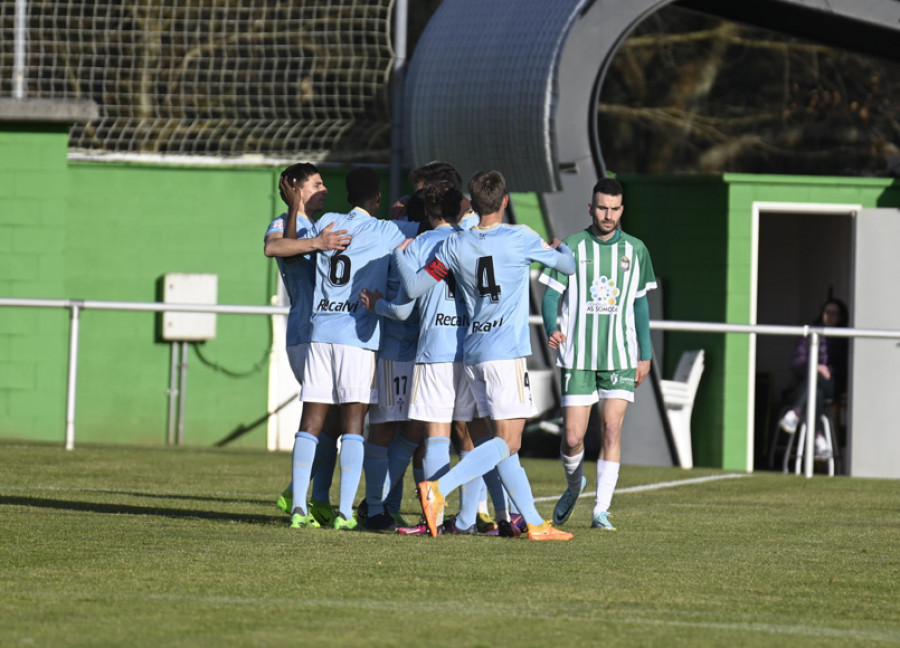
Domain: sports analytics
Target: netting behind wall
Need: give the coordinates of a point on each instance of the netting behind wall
(275, 78)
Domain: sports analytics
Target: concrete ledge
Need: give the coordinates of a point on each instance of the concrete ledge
(48, 110)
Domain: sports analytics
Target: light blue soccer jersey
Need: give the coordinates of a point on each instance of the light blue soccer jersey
(442, 315)
(491, 270)
(299, 276)
(338, 317)
(399, 337)
(469, 220)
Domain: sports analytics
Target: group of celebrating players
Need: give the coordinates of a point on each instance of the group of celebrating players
(420, 322)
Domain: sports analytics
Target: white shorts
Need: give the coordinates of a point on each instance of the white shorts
(501, 389)
(338, 373)
(441, 393)
(393, 380)
(296, 354)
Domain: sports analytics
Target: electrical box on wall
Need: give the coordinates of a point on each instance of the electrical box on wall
(182, 288)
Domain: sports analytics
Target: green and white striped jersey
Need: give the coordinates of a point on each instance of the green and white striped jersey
(597, 313)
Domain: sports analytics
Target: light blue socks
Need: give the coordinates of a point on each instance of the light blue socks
(301, 469)
(351, 460)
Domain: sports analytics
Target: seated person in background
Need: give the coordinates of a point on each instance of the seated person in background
(832, 371)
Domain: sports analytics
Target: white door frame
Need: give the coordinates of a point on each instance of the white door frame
(761, 207)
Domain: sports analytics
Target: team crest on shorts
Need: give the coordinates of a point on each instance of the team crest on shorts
(624, 263)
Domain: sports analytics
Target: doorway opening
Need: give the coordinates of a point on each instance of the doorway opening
(804, 255)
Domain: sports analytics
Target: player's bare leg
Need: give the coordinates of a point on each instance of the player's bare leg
(575, 421)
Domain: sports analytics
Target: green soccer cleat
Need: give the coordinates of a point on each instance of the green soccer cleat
(343, 524)
(300, 521)
(285, 500)
(399, 519)
(323, 512)
(485, 523)
(600, 521)
(566, 503)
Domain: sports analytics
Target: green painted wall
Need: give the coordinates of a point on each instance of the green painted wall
(699, 232)
(680, 220)
(34, 185)
(103, 231)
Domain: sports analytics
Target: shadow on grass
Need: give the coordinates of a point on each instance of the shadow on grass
(196, 498)
(120, 509)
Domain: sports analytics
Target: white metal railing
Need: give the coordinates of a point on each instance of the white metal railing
(75, 307)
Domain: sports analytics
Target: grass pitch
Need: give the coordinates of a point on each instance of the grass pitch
(111, 546)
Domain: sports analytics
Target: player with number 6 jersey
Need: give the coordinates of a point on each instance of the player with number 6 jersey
(340, 365)
(337, 315)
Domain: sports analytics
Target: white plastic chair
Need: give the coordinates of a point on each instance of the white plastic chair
(678, 397)
(830, 443)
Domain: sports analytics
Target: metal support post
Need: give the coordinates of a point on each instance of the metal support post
(173, 394)
(181, 391)
(20, 36)
(397, 102)
(812, 371)
(72, 379)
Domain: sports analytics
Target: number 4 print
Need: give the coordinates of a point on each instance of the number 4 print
(487, 285)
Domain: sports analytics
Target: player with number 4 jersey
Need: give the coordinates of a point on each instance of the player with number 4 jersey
(490, 265)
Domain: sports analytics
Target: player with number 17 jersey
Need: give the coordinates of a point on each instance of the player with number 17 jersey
(490, 267)
(338, 317)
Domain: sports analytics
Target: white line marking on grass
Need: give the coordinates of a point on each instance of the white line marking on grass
(656, 486)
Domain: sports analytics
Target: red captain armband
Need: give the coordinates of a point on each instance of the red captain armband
(437, 269)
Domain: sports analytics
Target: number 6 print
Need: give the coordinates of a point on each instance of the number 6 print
(339, 274)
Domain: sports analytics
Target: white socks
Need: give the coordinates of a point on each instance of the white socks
(607, 476)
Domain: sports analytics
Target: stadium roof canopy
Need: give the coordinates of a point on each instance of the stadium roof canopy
(514, 85)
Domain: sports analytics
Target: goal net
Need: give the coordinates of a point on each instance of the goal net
(223, 78)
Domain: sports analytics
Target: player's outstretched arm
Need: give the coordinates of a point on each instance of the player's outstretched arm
(566, 261)
(415, 281)
(395, 309)
(279, 245)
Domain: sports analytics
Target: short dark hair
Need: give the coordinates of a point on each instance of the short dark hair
(442, 200)
(363, 184)
(608, 187)
(415, 207)
(436, 172)
(300, 172)
(487, 189)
